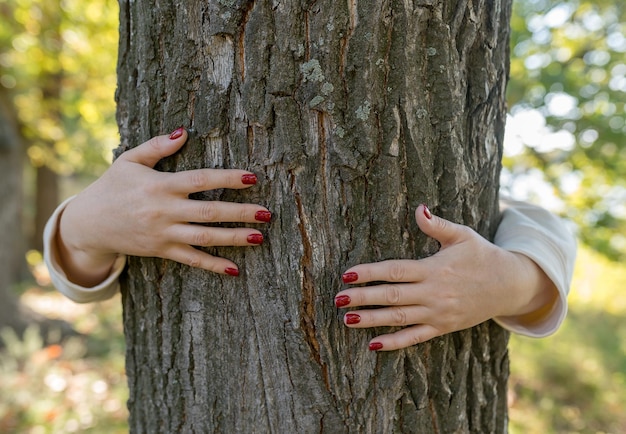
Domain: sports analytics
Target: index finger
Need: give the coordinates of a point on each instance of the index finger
(394, 270)
(197, 180)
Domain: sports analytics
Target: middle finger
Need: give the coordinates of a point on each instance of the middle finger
(199, 211)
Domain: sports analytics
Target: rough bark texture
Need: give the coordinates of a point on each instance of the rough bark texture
(351, 113)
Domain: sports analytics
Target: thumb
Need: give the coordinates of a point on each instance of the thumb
(442, 230)
(150, 152)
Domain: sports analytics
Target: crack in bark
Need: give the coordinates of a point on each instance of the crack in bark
(307, 310)
(241, 42)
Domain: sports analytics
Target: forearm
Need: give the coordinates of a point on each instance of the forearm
(533, 297)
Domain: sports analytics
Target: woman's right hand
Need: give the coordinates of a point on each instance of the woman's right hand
(133, 209)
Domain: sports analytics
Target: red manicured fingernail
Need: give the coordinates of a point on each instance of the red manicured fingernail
(350, 277)
(248, 179)
(177, 133)
(255, 238)
(352, 318)
(263, 216)
(427, 212)
(375, 346)
(232, 271)
(342, 300)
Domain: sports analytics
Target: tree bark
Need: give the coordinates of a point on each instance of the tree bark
(351, 113)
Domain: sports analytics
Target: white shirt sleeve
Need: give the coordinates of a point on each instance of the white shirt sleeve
(546, 239)
(107, 289)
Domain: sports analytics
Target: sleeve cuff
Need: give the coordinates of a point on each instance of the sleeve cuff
(106, 289)
(544, 238)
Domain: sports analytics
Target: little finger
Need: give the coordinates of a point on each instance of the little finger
(404, 338)
(187, 255)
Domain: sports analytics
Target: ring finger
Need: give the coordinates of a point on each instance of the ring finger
(386, 316)
(404, 338)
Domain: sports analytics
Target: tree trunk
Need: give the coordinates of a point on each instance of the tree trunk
(51, 85)
(12, 246)
(13, 268)
(351, 113)
(46, 200)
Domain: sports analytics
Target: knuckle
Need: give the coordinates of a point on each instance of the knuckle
(399, 317)
(243, 214)
(147, 217)
(444, 225)
(197, 180)
(358, 297)
(204, 238)
(447, 273)
(392, 294)
(414, 339)
(396, 271)
(209, 212)
(193, 260)
(154, 143)
(465, 231)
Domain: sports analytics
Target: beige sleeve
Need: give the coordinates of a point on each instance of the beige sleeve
(77, 293)
(546, 239)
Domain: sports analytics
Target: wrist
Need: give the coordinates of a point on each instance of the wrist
(534, 292)
(81, 265)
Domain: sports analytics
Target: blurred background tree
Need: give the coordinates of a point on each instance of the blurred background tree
(58, 65)
(57, 81)
(567, 98)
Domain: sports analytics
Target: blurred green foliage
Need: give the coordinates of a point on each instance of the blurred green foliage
(575, 380)
(567, 99)
(58, 60)
(74, 385)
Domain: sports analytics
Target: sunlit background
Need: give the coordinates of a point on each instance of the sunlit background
(564, 149)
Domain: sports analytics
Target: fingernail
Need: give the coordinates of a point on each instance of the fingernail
(255, 238)
(263, 216)
(342, 300)
(375, 346)
(248, 179)
(232, 271)
(427, 212)
(352, 318)
(350, 277)
(177, 133)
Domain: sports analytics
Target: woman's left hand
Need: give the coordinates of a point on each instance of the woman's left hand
(467, 282)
